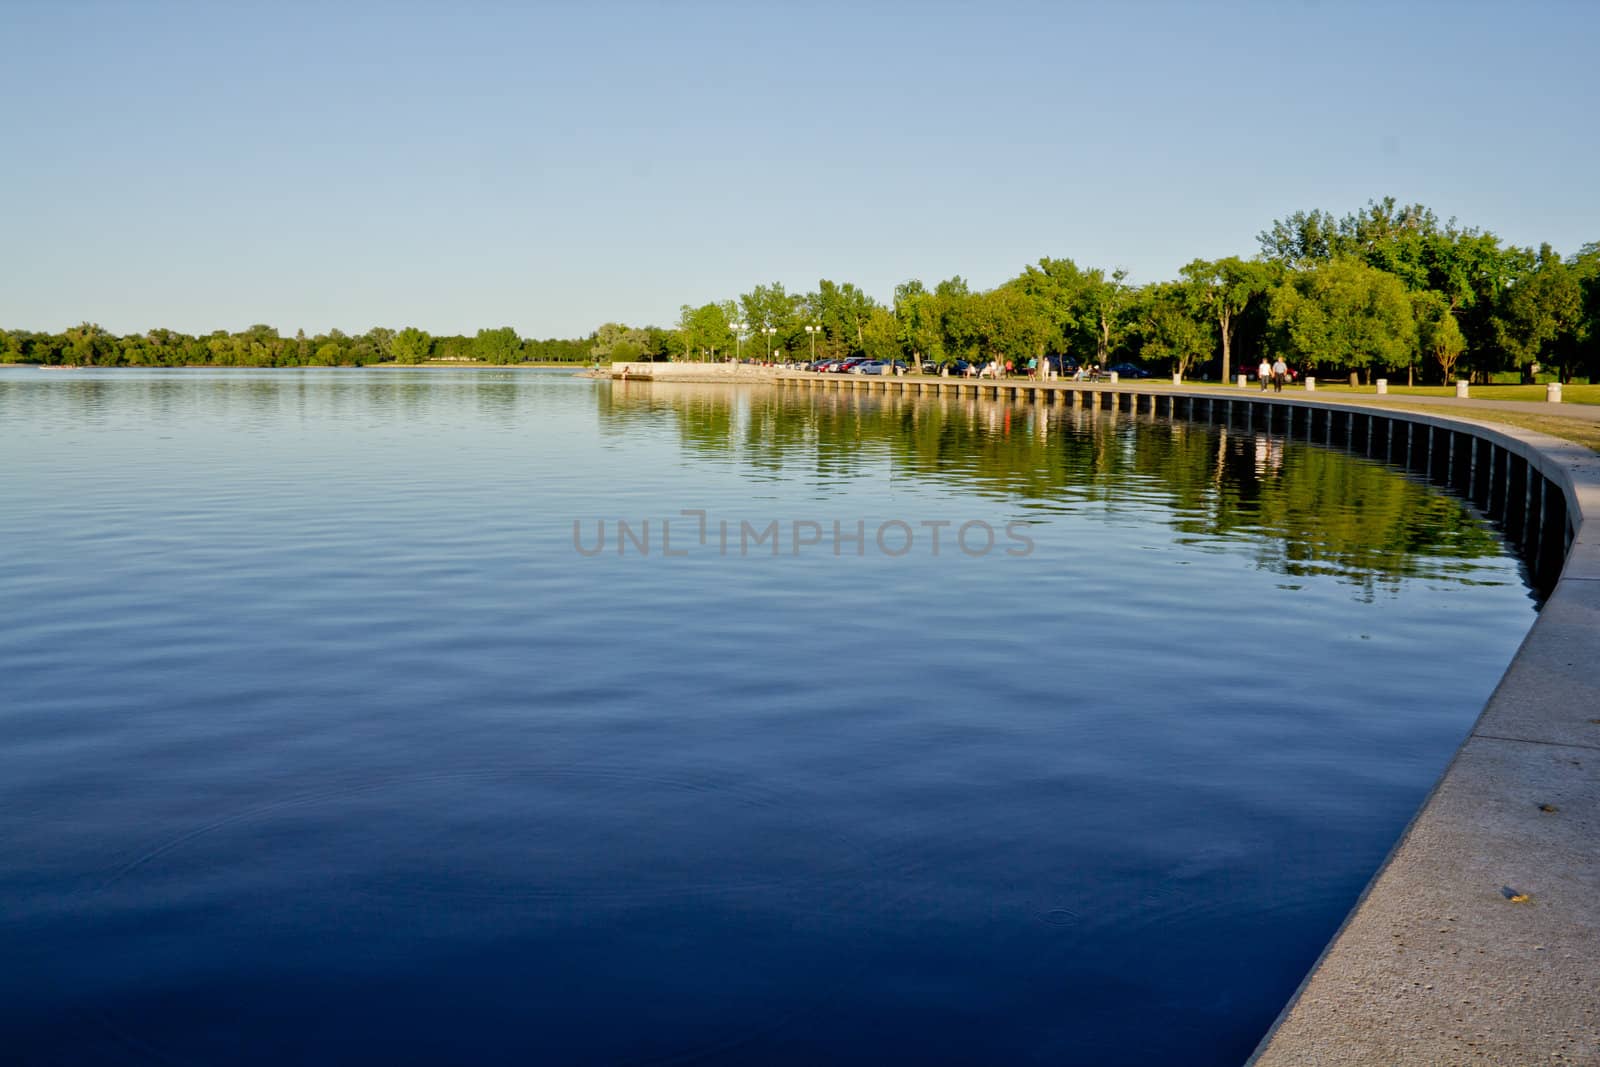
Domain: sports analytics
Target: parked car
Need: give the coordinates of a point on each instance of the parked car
(1128, 370)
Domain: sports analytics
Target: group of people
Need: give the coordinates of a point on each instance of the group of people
(1033, 367)
(995, 369)
(1275, 373)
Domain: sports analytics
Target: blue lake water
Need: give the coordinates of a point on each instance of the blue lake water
(326, 738)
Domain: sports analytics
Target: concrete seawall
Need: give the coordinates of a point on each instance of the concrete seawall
(1478, 941)
(693, 372)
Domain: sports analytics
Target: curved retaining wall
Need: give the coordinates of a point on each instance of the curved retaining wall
(1478, 941)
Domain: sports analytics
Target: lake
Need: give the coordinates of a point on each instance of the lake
(471, 716)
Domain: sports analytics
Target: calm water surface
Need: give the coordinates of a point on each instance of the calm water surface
(321, 741)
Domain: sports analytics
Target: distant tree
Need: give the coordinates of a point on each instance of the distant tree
(411, 345)
(497, 346)
(87, 344)
(841, 309)
(705, 330)
(879, 338)
(381, 338)
(1012, 325)
(917, 327)
(617, 343)
(1063, 298)
(957, 319)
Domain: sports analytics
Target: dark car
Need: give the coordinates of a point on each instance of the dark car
(1128, 370)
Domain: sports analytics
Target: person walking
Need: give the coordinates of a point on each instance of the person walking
(1280, 371)
(1264, 374)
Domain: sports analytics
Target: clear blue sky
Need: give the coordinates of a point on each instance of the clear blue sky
(554, 166)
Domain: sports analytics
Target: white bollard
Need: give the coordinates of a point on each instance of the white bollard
(1113, 377)
(1242, 380)
(1311, 385)
(1383, 386)
(1461, 390)
(1552, 393)
(1177, 379)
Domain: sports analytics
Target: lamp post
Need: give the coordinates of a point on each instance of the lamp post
(769, 331)
(738, 342)
(813, 331)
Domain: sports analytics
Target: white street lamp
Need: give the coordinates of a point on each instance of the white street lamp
(769, 331)
(813, 331)
(738, 344)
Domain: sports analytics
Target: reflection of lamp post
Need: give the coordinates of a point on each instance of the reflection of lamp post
(769, 331)
(738, 335)
(813, 331)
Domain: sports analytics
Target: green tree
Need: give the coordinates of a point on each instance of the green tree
(1540, 314)
(1063, 296)
(879, 338)
(411, 345)
(1586, 268)
(917, 325)
(381, 341)
(957, 319)
(617, 343)
(87, 345)
(706, 330)
(770, 307)
(500, 345)
(1170, 327)
(842, 310)
(1224, 288)
(1345, 314)
(1303, 239)
(13, 346)
(1012, 325)
(1438, 335)
(1108, 300)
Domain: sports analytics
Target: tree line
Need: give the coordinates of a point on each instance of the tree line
(88, 345)
(1388, 289)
